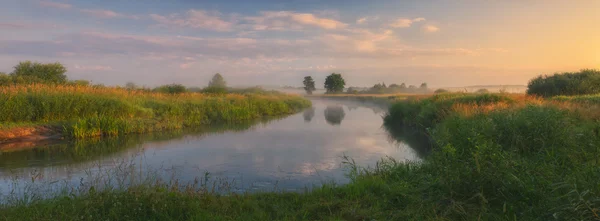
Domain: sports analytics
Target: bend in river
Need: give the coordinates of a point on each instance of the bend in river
(289, 154)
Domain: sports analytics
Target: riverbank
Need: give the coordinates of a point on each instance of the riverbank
(495, 157)
(39, 112)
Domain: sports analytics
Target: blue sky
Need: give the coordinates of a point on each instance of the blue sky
(269, 42)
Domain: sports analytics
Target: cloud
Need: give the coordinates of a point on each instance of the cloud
(100, 13)
(93, 67)
(405, 22)
(286, 20)
(194, 19)
(365, 20)
(430, 28)
(55, 5)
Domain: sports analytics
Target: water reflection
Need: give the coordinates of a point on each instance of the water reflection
(334, 114)
(287, 153)
(309, 114)
(417, 140)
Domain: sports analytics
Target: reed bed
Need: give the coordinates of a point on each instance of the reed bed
(85, 111)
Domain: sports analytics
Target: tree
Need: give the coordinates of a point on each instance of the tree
(171, 89)
(403, 86)
(217, 81)
(130, 86)
(334, 83)
(423, 86)
(34, 72)
(309, 84)
(483, 91)
(441, 90)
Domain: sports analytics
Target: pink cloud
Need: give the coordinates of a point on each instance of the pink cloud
(405, 22)
(430, 28)
(55, 5)
(285, 20)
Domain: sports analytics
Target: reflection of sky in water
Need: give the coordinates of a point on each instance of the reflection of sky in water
(290, 153)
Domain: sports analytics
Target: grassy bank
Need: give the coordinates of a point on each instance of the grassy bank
(83, 111)
(494, 157)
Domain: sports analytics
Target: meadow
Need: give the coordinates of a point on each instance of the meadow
(77, 111)
(493, 157)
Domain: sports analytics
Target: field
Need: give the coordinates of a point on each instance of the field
(494, 157)
(83, 111)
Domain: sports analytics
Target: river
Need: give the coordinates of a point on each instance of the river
(287, 154)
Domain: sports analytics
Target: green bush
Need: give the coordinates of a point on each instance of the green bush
(171, 89)
(586, 81)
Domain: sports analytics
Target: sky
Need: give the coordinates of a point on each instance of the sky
(273, 42)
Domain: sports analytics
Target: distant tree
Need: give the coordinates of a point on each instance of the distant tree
(130, 86)
(171, 89)
(394, 86)
(483, 91)
(34, 72)
(5, 79)
(309, 84)
(439, 91)
(334, 114)
(352, 90)
(423, 86)
(412, 87)
(403, 86)
(334, 83)
(217, 81)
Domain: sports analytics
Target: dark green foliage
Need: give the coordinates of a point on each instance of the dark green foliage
(334, 83)
(34, 72)
(439, 91)
(171, 89)
(309, 84)
(217, 82)
(586, 81)
(482, 91)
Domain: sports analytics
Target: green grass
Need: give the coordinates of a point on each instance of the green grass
(494, 157)
(91, 112)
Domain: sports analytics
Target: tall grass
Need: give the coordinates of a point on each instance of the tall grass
(501, 157)
(99, 111)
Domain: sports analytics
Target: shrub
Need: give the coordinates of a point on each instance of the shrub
(586, 81)
(171, 89)
(439, 91)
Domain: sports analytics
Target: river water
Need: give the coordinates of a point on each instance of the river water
(286, 154)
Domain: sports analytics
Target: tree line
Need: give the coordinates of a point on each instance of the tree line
(28, 72)
(335, 84)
